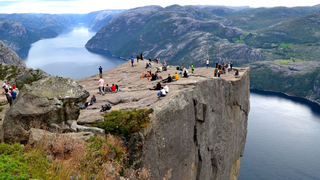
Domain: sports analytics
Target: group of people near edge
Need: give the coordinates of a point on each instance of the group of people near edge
(221, 68)
(163, 90)
(9, 92)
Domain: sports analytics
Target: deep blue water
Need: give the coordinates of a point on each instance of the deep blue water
(283, 140)
(66, 55)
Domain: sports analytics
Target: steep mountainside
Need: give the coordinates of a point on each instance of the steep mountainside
(179, 35)
(9, 57)
(96, 20)
(20, 30)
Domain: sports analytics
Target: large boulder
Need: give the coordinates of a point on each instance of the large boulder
(45, 104)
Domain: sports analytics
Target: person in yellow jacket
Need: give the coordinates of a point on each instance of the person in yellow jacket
(176, 76)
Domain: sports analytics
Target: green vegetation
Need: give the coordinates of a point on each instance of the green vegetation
(283, 61)
(9, 72)
(28, 80)
(263, 77)
(16, 164)
(64, 158)
(122, 123)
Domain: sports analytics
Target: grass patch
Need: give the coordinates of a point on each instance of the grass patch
(284, 61)
(122, 123)
(63, 158)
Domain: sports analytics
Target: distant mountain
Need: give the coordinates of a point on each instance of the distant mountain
(179, 35)
(96, 20)
(7, 56)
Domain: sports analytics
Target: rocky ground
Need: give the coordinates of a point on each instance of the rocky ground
(135, 93)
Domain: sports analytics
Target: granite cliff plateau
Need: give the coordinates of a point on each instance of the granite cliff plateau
(198, 130)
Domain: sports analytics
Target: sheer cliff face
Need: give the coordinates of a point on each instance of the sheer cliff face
(9, 57)
(201, 132)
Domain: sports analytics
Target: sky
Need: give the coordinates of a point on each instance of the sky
(86, 6)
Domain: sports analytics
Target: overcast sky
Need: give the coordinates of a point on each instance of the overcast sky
(85, 6)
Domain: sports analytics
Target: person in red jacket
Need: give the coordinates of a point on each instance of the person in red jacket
(113, 88)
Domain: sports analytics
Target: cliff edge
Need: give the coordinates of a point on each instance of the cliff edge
(198, 130)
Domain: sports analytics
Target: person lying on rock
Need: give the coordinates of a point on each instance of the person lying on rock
(162, 93)
(157, 87)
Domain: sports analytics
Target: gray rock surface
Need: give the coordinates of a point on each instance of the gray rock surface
(45, 104)
(36, 135)
(198, 130)
(9, 57)
(201, 132)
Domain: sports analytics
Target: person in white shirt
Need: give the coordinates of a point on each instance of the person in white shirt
(166, 88)
(101, 85)
(162, 93)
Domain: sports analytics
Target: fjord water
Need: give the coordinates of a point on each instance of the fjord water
(66, 55)
(283, 140)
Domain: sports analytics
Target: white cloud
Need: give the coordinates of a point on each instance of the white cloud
(85, 6)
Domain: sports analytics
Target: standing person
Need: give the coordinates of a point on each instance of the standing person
(100, 71)
(132, 61)
(101, 85)
(192, 68)
(138, 58)
(13, 95)
(207, 63)
(231, 64)
(216, 64)
(141, 56)
(149, 59)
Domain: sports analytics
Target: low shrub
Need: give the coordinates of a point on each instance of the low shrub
(122, 123)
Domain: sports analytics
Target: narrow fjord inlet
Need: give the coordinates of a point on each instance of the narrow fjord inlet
(66, 55)
(282, 140)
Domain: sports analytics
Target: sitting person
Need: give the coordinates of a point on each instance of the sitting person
(236, 73)
(113, 88)
(176, 76)
(148, 74)
(169, 79)
(166, 88)
(142, 76)
(93, 99)
(85, 105)
(108, 88)
(147, 65)
(185, 75)
(157, 87)
(117, 87)
(154, 77)
(162, 93)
